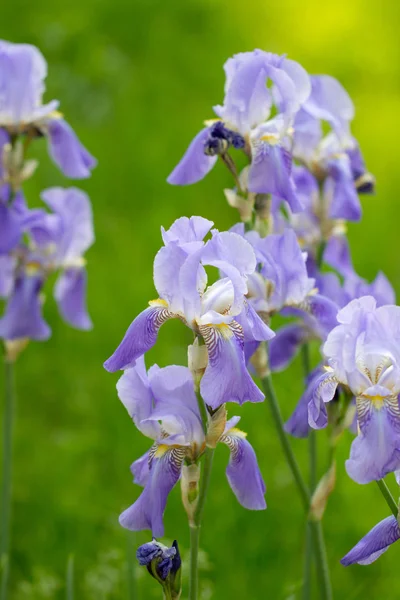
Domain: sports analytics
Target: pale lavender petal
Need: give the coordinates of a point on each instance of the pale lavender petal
(339, 187)
(67, 151)
(23, 316)
(70, 293)
(22, 74)
(374, 543)
(324, 310)
(148, 510)
(186, 230)
(253, 326)
(226, 378)
(10, 228)
(322, 390)
(140, 337)
(194, 165)
(376, 450)
(271, 173)
(285, 345)
(330, 102)
(140, 469)
(7, 271)
(73, 231)
(243, 472)
(337, 255)
(135, 393)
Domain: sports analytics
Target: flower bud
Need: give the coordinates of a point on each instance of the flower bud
(164, 564)
(190, 489)
(216, 426)
(324, 489)
(197, 361)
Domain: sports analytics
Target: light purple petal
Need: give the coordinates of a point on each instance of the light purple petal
(324, 310)
(10, 228)
(271, 173)
(148, 510)
(253, 326)
(70, 293)
(67, 151)
(243, 472)
(186, 230)
(374, 543)
(23, 316)
(73, 231)
(7, 270)
(140, 469)
(376, 450)
(337, 255)
(140, 337)
(340, 189)
(330, 102)
(194, 165)
(226, 378)
(322, 390)
(22, 74)
(135, 393)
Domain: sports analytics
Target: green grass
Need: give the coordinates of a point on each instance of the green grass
(136, 79)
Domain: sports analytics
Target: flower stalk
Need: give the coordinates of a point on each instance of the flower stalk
(6, 483)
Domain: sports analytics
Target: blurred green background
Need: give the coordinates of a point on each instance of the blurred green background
(135, 79)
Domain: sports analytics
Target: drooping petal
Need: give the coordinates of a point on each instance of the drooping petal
(10, 228)
(23, 316)
(337, 255)
(376, 450)
(253, 326)
(135, 393)
(7, 269)
(70, 293)
(243, 473)
(271, 173)
(322, 390)
(140, 469)
(371, 546)
(194, 165)
(340, 189)
(67, 151)
(226, 378)
(73, 230)
(285, 345)
(330, 102)
(148, 510)
(140, 337)
(324, 310)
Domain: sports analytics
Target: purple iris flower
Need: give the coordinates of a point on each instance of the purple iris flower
(374, 544)
(58, 241)
(335, 158)
(163, 405)
(363, 354)
(23, 71)
(246, 123)
(219, 313)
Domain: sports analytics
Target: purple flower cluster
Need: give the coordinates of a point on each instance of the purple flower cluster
(288, 256)
(34, 243)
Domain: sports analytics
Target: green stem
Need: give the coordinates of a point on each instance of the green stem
(198, 515)
(308, 552)
(386, 493)
(315, 526)
(321, 560)
(8, 420)
(70, 578)
(286, 447)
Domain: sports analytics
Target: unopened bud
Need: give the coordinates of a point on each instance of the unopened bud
(259, 360)
(216, 426)
(244, 206)
(324, 489)
(197, 361)
(164, 564)
(13, 348)
(190, 489)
